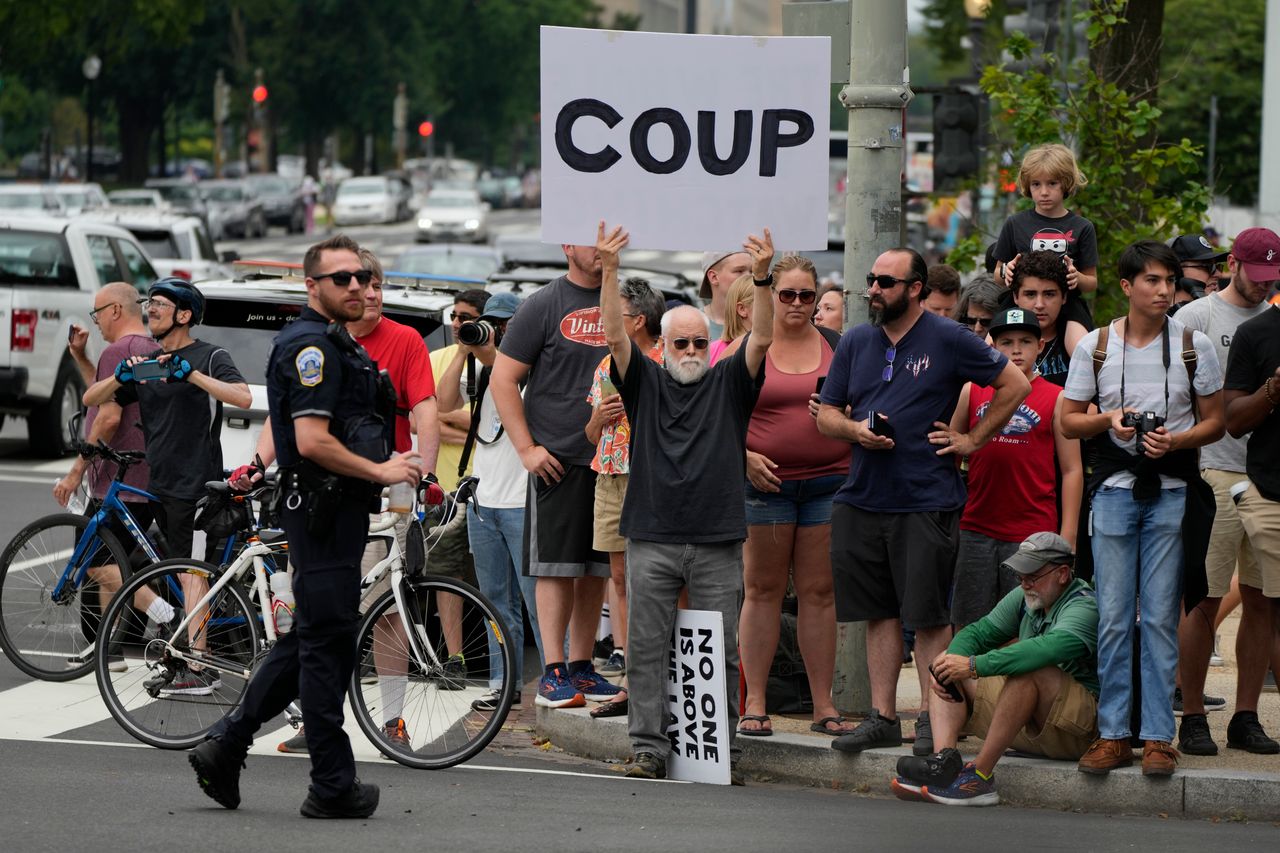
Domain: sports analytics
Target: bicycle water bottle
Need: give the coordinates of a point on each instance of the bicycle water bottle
(282, 604)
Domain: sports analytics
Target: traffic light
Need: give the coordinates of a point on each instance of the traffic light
(426, 129)
(955, 139)
(259, 94)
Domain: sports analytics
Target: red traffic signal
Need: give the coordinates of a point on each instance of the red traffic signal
(259, 94)
(426, 129)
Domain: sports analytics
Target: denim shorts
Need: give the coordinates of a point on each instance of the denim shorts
(804, 503)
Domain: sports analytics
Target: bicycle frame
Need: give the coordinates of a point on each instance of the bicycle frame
(112, 506)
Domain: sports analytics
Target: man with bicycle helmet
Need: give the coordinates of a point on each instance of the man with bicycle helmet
(179, 389)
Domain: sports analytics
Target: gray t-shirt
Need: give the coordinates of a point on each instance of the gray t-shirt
(1144, 376)
(1218, 319)
(559, 334)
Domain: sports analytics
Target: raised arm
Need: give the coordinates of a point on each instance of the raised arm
(615, 332)
(761, 252)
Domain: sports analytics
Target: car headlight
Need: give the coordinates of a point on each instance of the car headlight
(471, 224)
(424, 223)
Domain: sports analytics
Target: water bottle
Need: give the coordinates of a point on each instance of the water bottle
(400, 498)
(282, 604)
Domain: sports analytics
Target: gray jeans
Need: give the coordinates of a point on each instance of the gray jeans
(656, 571)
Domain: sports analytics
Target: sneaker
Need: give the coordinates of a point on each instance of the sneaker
(358, 802)
(1215, 659)
(602, 649)
(874, 731)
(1194, 737)
(1211, 703)
(1245, 732)
(1159, 758)
(296, 745)
(615, 666)
(217, 769)
(453, 674)
(905, 789)
(489, 701)
(968, 789)
(192, 682)
(924, 736)
(593, 687)
(115, 658)
(1105, 755)
(938, 770)
(557, 691)
(647, 766)
(397, 734)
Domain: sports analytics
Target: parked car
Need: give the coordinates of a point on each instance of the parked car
(77, 198)
(177, 245)
(282, 201)
(291, 166)
(49, 271)
(234, 209)
(138, 198)
(36, 199)
(454, 215)
(450, 259)
(244, 314)
(183, 196)
(372, 199)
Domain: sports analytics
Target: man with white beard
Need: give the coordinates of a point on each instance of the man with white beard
(1037, 694)
(688, 438)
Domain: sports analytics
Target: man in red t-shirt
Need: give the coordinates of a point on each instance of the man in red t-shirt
(1011, 479)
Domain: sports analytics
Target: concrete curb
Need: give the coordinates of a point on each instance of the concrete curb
(806, 760)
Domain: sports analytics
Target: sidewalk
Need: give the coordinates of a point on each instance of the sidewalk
(1232, 785)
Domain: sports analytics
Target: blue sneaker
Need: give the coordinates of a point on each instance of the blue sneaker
(968, 789)
(557, 691)
(592, 685)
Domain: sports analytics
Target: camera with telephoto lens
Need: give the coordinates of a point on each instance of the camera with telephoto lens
(475, 333)
(1143, 424)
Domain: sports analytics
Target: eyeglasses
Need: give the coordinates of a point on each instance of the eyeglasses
(679, 344)
(342, 278)
(886, 282)
(463, 317)
(93, 315)
(1211, 268)
(806, 297)
(158, 304)
(889, 355)
(971, 322)
(1032, 580)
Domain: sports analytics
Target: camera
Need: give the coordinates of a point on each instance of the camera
(475, 333)
(1143, 424)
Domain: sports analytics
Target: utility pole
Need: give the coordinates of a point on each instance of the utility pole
(221, 103)
(399, 118)
(1269, 170)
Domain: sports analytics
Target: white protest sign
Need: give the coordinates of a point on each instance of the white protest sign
(690, 142)
(699, 720)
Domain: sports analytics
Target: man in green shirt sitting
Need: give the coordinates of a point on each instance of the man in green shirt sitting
(1027, 678)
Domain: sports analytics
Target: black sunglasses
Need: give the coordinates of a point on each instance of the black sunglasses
(976, 321)
(683, 343)
(342, 278)
(806, 297)
(887, 282)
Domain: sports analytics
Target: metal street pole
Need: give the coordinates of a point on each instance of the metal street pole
(1269, 170)
(91, 68)
(399, 118)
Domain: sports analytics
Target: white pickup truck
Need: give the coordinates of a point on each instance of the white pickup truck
(49, 272)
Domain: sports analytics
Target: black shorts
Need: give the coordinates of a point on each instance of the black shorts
(142, 513)
(176, 519)
(893, 565)
(559, 527)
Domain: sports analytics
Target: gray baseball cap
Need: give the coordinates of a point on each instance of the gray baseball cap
(1039, 550)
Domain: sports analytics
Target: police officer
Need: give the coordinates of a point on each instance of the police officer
(333, 444)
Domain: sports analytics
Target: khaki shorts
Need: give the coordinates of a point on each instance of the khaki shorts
(1230, 549)
(610, 490)
(1261, 521)
(1067, 734)
(374, 551)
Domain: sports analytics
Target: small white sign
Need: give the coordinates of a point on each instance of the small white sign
(690, 142)
(698, 724)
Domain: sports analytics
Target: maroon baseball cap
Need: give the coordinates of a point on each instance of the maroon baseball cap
(1258, 251)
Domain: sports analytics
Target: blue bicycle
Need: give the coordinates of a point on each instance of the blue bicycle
(59, 574)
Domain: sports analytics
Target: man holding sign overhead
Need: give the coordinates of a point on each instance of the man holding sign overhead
(688, 437)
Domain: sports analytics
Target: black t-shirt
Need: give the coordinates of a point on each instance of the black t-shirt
(688, 450)
(1054, 362)
(183, 424)
(1028, 231)
(1255, 355)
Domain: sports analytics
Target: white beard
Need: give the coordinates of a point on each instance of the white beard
(687, 370)
(1033, 600)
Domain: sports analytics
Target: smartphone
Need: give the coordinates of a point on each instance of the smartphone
(818, 390)
(71, 332)
(878, 425)
(952, 689)
(145, 371)
(607, 388)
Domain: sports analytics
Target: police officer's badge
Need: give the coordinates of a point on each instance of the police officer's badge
(310, 365)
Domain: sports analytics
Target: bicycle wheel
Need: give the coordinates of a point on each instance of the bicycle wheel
(159, 698)
(48, 625)
(423, 683)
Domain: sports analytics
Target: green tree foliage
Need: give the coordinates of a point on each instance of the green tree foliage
(1118, 148)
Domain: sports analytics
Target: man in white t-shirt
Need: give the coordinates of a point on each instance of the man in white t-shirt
(495, 518)
(1142, 479)
(1223, 466)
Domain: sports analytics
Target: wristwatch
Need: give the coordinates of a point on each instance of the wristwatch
(762, 282)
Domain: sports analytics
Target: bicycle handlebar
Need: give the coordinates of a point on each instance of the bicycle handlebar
(124, 459)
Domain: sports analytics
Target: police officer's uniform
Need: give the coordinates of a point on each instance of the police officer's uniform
(316, 369)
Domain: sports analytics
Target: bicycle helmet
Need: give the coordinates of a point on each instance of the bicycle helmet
(182, 293)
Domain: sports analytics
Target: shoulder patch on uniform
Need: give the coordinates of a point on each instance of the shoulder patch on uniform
(310, 364)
